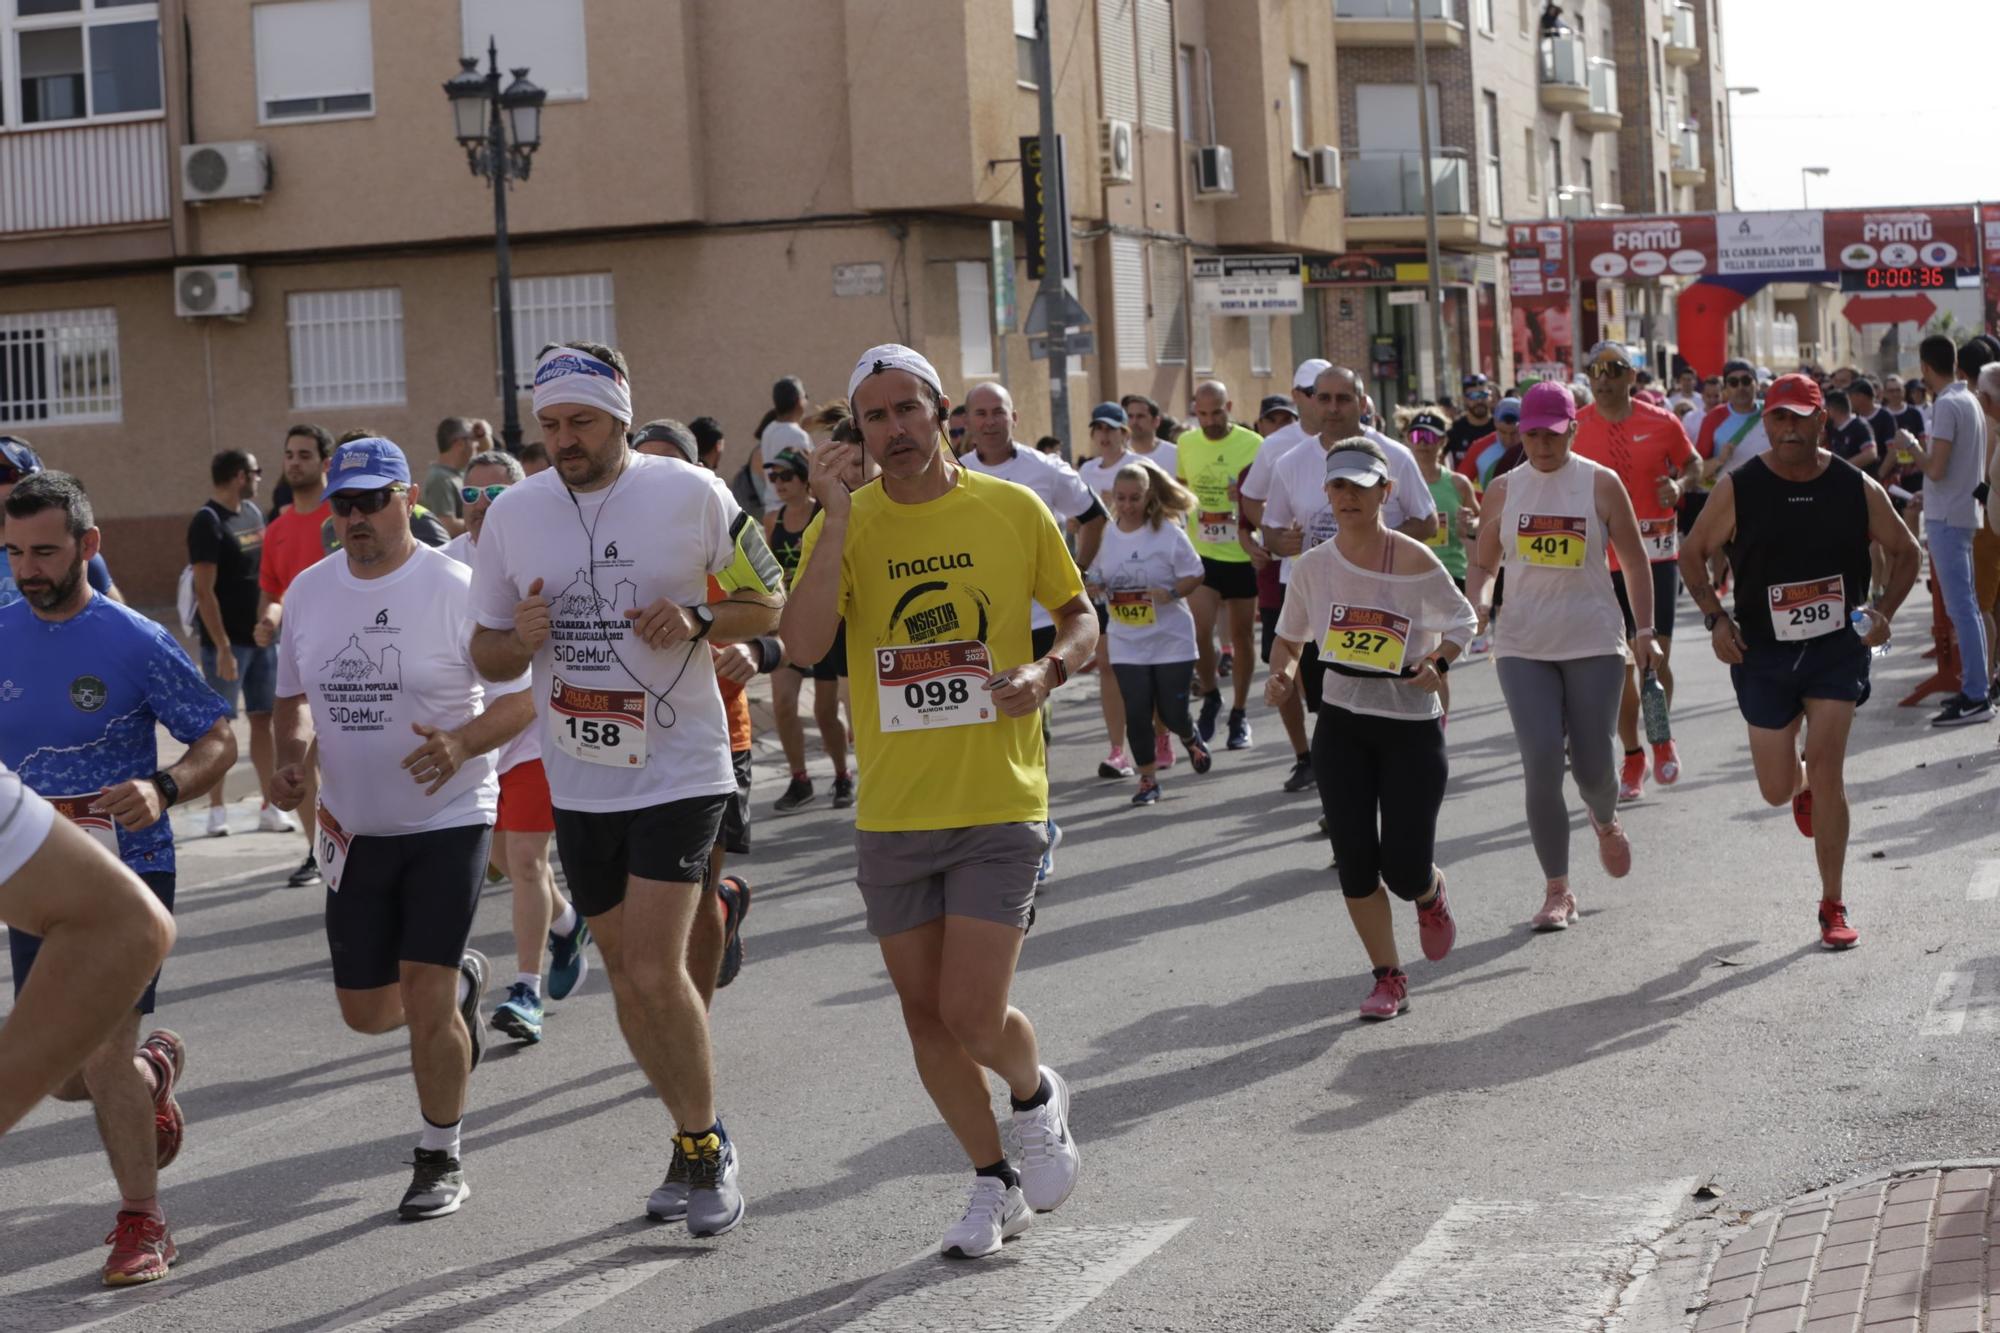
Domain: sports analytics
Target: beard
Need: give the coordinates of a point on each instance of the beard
(53, 596)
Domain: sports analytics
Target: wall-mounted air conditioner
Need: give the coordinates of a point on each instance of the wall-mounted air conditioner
(240, 170)
(205, 290)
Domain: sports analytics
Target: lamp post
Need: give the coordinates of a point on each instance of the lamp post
(1805, 182)
(1729, 96)
(500, 129)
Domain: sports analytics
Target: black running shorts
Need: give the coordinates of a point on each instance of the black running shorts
(404, 898)
(602, 849)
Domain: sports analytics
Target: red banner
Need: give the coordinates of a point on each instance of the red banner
(1859, 238)
(1538, 288)
(1613, 248)
(1989, 215)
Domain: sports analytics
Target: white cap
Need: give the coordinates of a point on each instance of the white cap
(893, 356)
(1309, 372)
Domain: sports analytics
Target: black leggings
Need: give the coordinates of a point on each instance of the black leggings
(1146, 688)
(1385, 769)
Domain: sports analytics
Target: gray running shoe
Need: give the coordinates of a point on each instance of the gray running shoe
(669, 1203)
(715, 1204)
(437, 1186)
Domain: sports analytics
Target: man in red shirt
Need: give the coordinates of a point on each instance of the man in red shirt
(1647, 447)
(292, 544)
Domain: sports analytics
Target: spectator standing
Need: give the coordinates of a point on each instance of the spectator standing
(225, 544)
(1953, 460)
(780, 430)
(292, 545)
(456, 446)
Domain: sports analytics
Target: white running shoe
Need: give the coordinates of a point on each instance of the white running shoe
(1049, 1159)
(218, 821)
(995, 1214)
(271, 819)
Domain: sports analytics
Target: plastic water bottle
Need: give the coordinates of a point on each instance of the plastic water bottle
(1858, 618)
(1653, 704)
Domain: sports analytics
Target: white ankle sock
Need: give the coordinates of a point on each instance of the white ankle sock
(566, 923)
(532, 980)
(439, 1138)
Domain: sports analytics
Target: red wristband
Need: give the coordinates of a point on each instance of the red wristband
(1062, 671)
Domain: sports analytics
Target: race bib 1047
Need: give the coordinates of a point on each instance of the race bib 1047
(1133, 607)
(933, 685)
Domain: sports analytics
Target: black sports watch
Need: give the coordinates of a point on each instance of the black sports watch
(1441, 664)
(1709, 620)
(170, 791)
(704, 622)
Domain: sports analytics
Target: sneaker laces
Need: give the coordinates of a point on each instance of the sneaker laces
(522, 993)
(431, 1166)
(677, 1171)
(134, 1230)
(701, 1158)
(988, 1201)
(1036, 1132)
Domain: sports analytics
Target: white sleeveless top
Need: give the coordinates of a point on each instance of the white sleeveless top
(1559, 603)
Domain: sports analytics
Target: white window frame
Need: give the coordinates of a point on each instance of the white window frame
(1492, 176)
(1024, 44)
(85, 17)
(346, 348)
(1129, 302)
(473, 38)
(975, 318)
(1483, 15)
(555, 308)
(50, 338)
(1168, 296)
(1201, 343)
(1157, 56)
(1299, 95)
(262, 93)
(1260, 345)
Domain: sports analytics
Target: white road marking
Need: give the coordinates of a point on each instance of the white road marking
(1522, 1263)
(1985, 884)
(1039, 1282)
(1946, 1015)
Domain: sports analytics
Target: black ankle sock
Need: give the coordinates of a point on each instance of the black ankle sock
(1235, 715)
(1630, 753)
(1041, 1096)
(1304, 756)
(1382, 972)
(1000, 1171)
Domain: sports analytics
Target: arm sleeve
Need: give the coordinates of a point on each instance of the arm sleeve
(1187, 560)
(809, 541)
(1295, 616)
(204, 538)
(1679, 452)
(493, 593)
(1942, 426)
(177, 694)
(99, 574)
(267, 571)
(290, 680)
(1056, 579)
(1077, 499)
(745, 562)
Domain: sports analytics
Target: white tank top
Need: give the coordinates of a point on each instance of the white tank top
(1559, 604)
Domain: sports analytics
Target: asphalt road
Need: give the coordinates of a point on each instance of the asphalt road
(1504, 1156)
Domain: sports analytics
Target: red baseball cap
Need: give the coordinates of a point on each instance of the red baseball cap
(1795, 393)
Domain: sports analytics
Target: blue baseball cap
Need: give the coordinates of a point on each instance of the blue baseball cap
(1108, 414)
(16, 457)
(1509, 410)
(367, 464)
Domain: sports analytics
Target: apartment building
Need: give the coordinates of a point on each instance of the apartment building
(1537, 110)
(218, 217)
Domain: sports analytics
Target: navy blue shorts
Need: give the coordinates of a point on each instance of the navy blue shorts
(1774, 680)
(23, 946)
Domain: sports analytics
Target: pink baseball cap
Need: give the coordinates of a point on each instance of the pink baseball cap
(1547, 406)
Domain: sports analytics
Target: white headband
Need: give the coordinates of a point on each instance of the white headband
(893, 356)
(567, 375)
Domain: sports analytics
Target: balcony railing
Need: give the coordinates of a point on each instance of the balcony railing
(1687, 149)
(1438, 10)
(1602, 114)
(1563, 62)
(1573, 201)
(1386, 183)
(1683, 47)
(84, 176)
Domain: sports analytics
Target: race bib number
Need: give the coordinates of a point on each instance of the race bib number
(1367, 639)
(598, 726)
(1807, 609)
(1216, 526)
(1442, 537)
(932, 685)
(1320, 528)
(102, 829)
(1552, 541)
(1662, 537)
(330, 842)
(1134, 607)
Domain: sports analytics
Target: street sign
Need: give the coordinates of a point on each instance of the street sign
(1068, 314)
(1249, 284)
(1418, 297)
(1078, 342)
(1046, 200)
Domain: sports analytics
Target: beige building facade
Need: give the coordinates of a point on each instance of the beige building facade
(729, 190)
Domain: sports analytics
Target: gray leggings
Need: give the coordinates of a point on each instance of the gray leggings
(1558, 706)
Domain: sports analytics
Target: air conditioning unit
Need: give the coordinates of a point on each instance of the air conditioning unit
(1214, 171)
(240, 170)
(1323, 167)
(206, 290)
(1114, 151)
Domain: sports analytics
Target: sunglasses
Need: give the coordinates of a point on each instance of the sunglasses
(471, 494)
(1606, 370)
(346, 504)
(1423, 435)
(781, 474)
(1477, 396)
(1739, 381)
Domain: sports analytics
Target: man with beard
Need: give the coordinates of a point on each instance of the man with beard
(1476, 422)
(91, 683)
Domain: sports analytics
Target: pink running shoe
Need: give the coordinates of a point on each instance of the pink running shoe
(1632, 777)
(1163, 751)
(1558, 910)
(1390, 997)
(1666, 764)
(1434, 925)
(1614, 849)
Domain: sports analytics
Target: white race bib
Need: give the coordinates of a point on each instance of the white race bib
(330, 842)
(1216, 527)
(598, 726)
(933, 685)
(1662, 537)
(102, 829)
(1808, 609)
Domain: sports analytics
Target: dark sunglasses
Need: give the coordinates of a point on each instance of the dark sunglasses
(1476, 396)
(1605, 370)
(1738, 381)
(471, 494)
(346, 504)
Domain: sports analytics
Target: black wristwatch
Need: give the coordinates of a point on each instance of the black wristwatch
(1709, 620)
(1441, 664)
(170, 791)
(704, 622)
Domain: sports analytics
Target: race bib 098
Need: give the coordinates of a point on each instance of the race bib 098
(933, 685)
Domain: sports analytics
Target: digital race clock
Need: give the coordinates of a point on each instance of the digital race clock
(1900, 278)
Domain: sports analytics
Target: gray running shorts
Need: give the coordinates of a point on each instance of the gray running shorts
(986, 872)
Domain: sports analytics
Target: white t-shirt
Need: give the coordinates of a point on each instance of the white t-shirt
(1054, 481)
(1298, 494)
(777, 437)
(1128, 563)
(372, 657)
(1165, 456)
(1101, 478)
(1257, 484)
(527, 746)
(656, 532)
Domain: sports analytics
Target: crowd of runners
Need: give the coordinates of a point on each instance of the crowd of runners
(444, 673)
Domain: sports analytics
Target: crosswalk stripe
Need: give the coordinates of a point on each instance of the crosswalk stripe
(1041, 1281)
(1949, 999)
(1984, 886)
(1522, 1263)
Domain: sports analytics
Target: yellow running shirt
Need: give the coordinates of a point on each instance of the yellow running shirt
(935, 595)
(1209, 468)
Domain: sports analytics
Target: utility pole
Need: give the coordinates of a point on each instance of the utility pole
(1431, 261)
(1055, 245)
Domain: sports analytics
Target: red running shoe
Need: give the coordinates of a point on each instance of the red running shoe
(1614, 849)
(1802, 811)
(166, 1055)
(1390, 997)
(141, 1250)
(1632, 777)
(1435, 928)
(1666, 764)
(1834, 932)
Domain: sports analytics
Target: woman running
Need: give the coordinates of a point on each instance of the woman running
(1144, 571)
(1389, 621)
(1560, 652)
(784, 528)
(1457, 503)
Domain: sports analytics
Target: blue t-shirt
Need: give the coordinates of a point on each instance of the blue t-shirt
(97, 572)
(79, 700)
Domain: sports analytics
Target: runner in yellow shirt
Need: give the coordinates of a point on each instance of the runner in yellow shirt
(1210, 459)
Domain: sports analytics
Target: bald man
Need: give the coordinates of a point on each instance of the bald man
(1211, 459)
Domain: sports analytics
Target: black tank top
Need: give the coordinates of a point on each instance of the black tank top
(786, 545)
(1793, 533)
